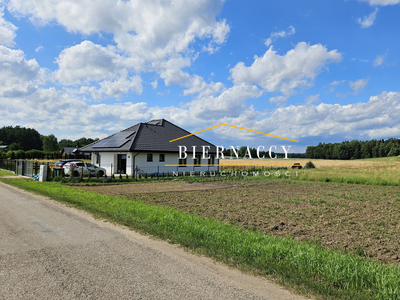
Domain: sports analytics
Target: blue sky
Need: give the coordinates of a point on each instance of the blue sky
(314, 71)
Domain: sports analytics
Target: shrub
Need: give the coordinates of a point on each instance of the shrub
(310, 165)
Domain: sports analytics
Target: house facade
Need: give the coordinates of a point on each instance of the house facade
(146, 148)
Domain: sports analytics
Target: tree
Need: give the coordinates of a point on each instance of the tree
(65, 143)
(310, 152)
(84, 141)
(15, 147)
(28, 138)
(50, 143)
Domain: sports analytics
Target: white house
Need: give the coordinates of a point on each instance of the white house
(146, 148)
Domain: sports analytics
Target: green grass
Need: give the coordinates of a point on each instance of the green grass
(368, 177)
(6, 173)
(308, 267)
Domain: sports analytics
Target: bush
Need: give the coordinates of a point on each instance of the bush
(310, 165)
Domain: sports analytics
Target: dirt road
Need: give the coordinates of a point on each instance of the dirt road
(49, 251)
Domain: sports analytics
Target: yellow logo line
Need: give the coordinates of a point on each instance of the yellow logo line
(233, 127)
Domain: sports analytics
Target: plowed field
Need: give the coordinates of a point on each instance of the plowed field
(357, 218)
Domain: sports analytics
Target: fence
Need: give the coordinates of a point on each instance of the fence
(31, 168)
(22, 167)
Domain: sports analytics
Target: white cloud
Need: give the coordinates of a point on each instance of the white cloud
(334, 84)
(358, 85)
(296, 69)
(150, 36)
(171, 70)
(278, 99)
(7, 30)
(150, 31)
(274, 35)
(368, 21)
(357, 121)
(197, 85)
(230, 103)
(379, 60)
(18, 76)
(312, 99)
(38, 49)
(381, 2)
(154, 84)
(121, 85)
(87, 62)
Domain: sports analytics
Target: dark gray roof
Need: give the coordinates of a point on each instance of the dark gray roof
(68, 150)
(153, 136)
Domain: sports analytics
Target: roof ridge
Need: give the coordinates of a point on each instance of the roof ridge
(135, 135)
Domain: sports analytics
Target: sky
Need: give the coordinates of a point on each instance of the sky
(313, 71)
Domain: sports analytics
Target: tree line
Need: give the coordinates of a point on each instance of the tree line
(29, 143)
(355, 149)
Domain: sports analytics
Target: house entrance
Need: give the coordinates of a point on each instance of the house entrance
(121, 164)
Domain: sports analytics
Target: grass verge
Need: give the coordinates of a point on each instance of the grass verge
(324, 272)
(6, 173)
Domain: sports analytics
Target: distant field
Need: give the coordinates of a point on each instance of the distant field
(382, 163)
(373, 171)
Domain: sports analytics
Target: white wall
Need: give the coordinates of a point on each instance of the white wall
(134, 159)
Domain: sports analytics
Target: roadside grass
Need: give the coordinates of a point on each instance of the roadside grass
(6, 173)
(309, 267)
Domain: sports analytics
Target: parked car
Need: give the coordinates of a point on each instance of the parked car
(297, 166)
(80, 166)
(61, 163)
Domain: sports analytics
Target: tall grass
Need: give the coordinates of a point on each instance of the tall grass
(369, 177)
(331, 274)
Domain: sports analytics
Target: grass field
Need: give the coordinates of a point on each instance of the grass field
(375, 171)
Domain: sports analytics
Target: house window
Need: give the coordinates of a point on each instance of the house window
(162, 157)
(211, 160)
(197, 160)
(149, 157)
(182, 162)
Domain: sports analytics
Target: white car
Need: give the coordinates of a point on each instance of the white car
(79, 166)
